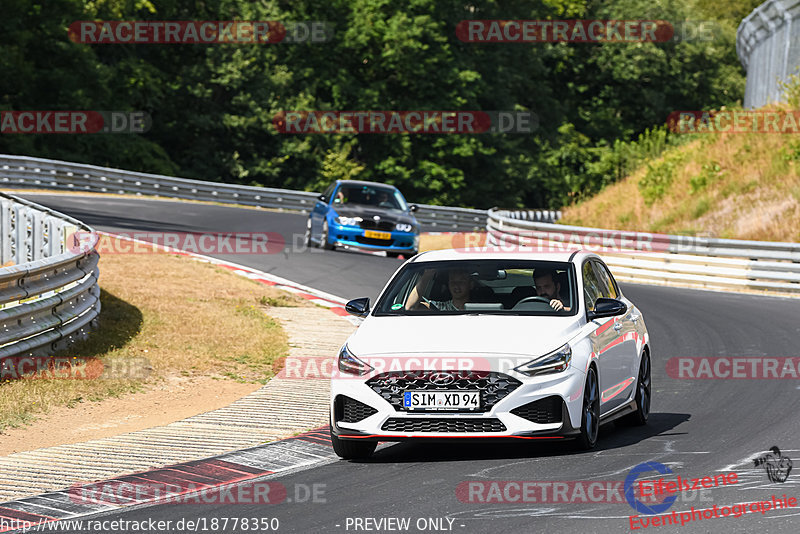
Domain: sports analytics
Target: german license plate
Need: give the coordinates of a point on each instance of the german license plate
(377, 235)
(441, 400)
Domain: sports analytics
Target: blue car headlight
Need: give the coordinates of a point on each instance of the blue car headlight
(348, 221)
(404, 227)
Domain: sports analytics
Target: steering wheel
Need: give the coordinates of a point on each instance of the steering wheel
(533, 299)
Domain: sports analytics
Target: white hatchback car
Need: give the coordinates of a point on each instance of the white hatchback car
(491, 345)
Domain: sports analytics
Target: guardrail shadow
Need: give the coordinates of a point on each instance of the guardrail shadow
(119, 321)
(612, 436)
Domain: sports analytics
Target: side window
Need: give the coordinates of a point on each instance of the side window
(329, 193)
(591, 286)
(608, 287)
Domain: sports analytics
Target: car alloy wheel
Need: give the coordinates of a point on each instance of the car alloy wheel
(590, 411)
(324, 239)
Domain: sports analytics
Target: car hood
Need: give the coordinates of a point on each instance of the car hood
(368, 212)
(463, 334)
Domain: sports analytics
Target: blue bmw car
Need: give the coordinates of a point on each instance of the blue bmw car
(364, 215)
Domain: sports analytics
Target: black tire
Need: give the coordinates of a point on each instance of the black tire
(324, 238)
(352, 450)
(590, 412)
(643, 394)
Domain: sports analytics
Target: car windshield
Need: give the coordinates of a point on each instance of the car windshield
(481, 286)
(382, 197)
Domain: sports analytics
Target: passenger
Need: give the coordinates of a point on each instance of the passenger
(459, 282)
(548, 287)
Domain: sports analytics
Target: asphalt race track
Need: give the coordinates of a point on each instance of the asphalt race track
(697, 427)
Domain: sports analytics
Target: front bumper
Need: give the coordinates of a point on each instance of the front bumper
(354, 236)
(512, 418)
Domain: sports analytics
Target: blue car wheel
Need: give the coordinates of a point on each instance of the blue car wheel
(324, 240)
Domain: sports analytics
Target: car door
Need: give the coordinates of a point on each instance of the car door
(605, 341)
(320, 210)
(627, 333)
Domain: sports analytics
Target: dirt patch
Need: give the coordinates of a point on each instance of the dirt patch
(171, 400)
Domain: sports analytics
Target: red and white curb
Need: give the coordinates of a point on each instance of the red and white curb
(214, 480)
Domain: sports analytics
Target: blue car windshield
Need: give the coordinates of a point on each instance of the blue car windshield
(382, 197)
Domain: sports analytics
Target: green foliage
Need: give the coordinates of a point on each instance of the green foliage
(601, 107)
(338, 166)
(655, 183)
(791, 90)
(710, 172)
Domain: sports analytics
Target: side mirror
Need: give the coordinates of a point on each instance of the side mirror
(413, 207)
(606, 307)
(321, 197)
(358, 307)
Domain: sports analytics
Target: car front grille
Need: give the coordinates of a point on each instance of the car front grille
(385, 226)
(542, 411)
(397, 424)
(372, 241)
(492, 386)
(352, 411)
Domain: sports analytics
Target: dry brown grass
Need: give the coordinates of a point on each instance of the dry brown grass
(183, 316)
(742, 186)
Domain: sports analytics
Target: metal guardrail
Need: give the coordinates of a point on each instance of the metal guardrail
(27, 172)
(660, 258)
(768, 45)
(49, 295)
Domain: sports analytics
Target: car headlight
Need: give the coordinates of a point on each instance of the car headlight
(348, 221)
(403, 227)
(351, 365)
(555, 362)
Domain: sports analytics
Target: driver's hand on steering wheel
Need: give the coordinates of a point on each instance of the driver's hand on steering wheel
(556, 305)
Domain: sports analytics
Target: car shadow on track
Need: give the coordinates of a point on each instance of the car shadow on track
(612, 436)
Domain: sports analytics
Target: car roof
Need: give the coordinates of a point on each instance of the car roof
(497, 253)
(362, 182)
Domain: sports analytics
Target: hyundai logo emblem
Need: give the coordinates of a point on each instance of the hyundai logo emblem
(376, 218)
(441, 379)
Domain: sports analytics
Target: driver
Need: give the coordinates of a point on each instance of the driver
(383, 200)
(547, 287)
(459, 282)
